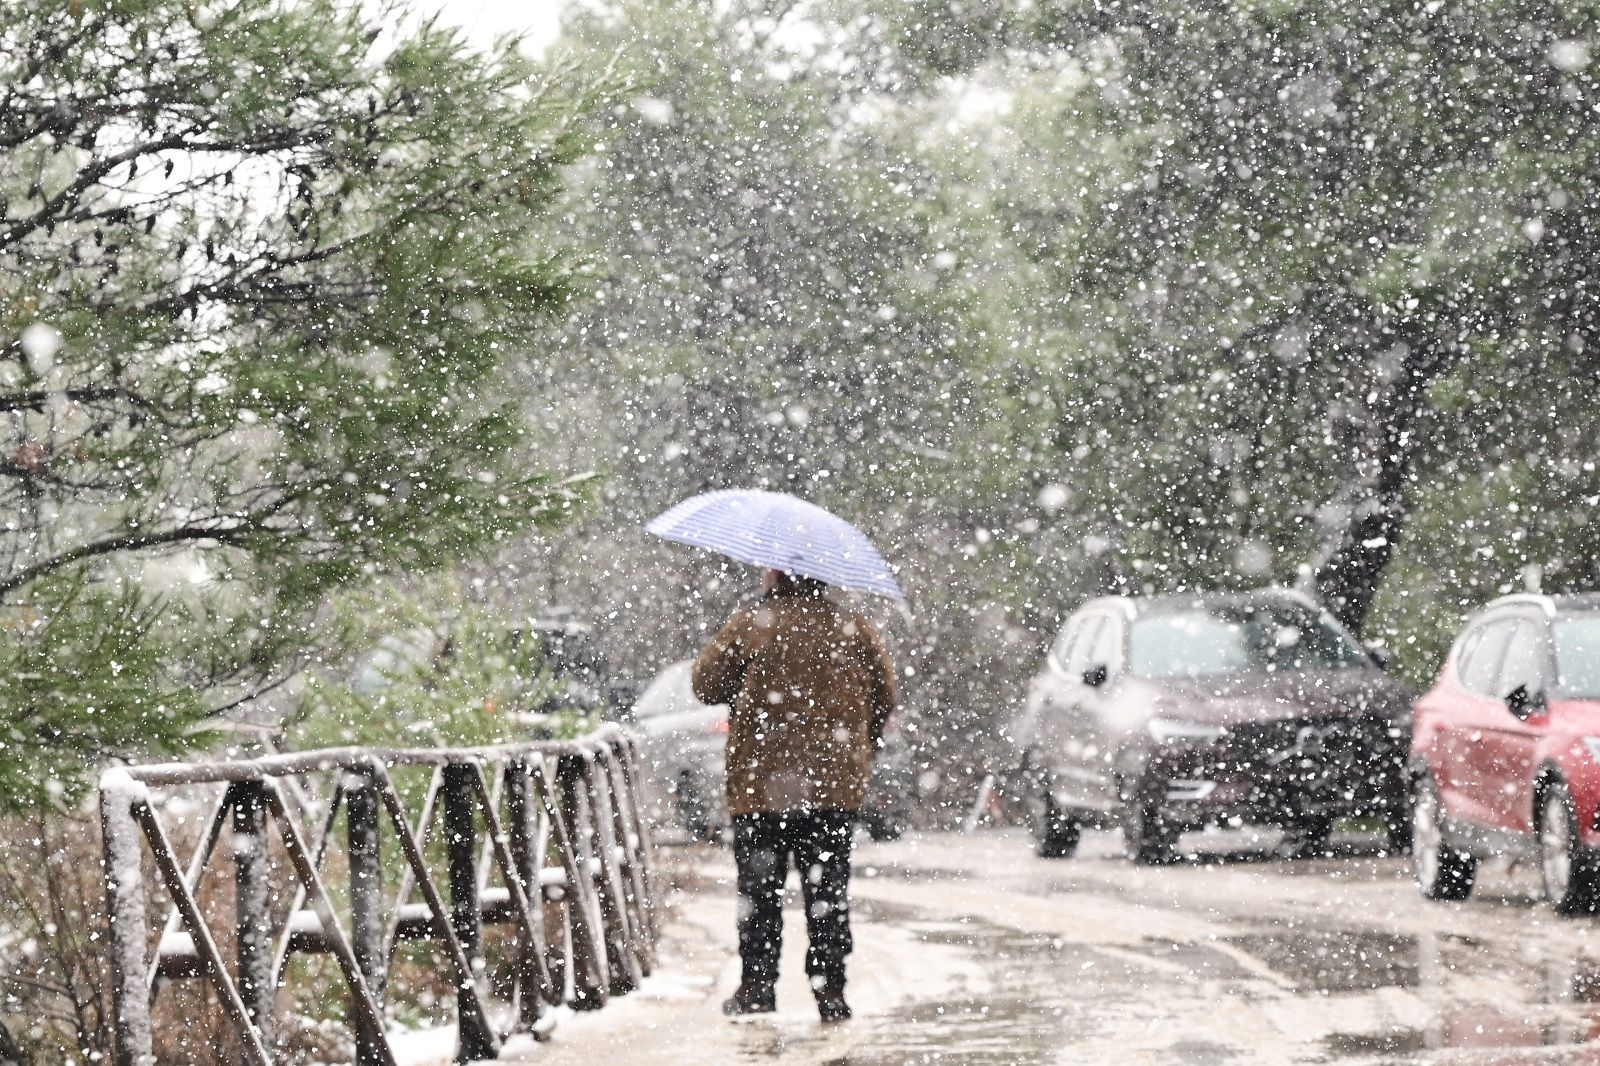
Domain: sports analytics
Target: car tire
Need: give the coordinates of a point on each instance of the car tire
(1055, 832)
(693, 813)
(1308, 839)
(1150, 840)
(883, 828)
(1569, 871)
(1441, 870)
(1397, 830)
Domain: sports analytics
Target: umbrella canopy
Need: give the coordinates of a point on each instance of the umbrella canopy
(780, 531)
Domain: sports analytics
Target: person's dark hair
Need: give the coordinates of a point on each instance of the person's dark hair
(799, 585)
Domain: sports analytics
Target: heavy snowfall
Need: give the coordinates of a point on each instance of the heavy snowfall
(840, 531)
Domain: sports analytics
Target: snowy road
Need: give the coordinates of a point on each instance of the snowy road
(970, 950)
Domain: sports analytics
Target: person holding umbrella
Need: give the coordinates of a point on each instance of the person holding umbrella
(810, 687)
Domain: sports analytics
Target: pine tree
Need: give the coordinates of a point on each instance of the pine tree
(262, 265)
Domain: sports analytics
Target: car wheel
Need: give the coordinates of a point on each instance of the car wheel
(1055, 832)
(1308, 839)
(884, 827)
(1441, 871)
(1571, 879)
(1397, 830)
(1150, 840)
(693, 814)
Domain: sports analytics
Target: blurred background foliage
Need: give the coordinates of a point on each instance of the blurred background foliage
(1054, 298)
(435, 670)
(1058, 299)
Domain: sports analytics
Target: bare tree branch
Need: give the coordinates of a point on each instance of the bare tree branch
(134, 542)
(37, 400)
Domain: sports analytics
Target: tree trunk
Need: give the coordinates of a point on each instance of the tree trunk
(1348, 570)
(10, 1053)
(1363, 521)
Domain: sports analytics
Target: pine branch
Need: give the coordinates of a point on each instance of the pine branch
(37, 400)
(86, 180)
(134, 542)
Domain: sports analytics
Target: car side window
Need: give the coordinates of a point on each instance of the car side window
(1107, 648)
(1464, 648)
(1480, 672)
(1525, 661)
(1062, 650)
(1078, 659)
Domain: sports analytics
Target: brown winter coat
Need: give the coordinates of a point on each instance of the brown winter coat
(810, 687)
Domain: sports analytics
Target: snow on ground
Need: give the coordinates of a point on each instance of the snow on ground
(675, 1015)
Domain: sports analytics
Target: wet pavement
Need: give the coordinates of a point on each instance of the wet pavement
(971, 950)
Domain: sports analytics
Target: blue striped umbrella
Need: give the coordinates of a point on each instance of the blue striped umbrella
(780, 531)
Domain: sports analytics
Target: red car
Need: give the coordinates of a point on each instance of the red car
(1506, 751)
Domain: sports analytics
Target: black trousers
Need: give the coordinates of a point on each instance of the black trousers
(818, 842)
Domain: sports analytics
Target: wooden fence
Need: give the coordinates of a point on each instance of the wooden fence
(543, 837)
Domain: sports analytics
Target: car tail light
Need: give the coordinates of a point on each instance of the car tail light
(719, 725)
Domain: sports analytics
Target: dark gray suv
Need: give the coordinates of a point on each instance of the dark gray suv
(1166, 714)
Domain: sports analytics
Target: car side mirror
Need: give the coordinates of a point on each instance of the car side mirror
(1523, 704)
(1379, 655)
(1096, 675)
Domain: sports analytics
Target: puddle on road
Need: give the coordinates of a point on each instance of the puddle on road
(1010, 1022)
(1364, 1045)
(1044, 994)
(1199, 962)
(1201, 1053)
(1335, 960)
(1475, 1028)
(1562, 989)
(1563, 992)
(877, 910)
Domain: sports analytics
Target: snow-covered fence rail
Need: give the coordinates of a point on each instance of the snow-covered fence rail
(544, 837)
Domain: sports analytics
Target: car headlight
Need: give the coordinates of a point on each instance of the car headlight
(1170, 730)
(1593, 744)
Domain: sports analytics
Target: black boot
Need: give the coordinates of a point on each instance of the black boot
(750, 999)
(830, 1003)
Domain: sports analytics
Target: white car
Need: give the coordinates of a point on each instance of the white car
(683, 741)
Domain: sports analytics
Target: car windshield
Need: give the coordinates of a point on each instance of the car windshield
(670, 693)
(1259, 638)
(1578, 656)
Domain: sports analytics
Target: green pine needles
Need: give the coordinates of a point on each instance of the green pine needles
(262, 264)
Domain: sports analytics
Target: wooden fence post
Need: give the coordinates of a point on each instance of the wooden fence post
(124, 878)
(461, 854)
(251, 900)
(519, 812)
(366, 900)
